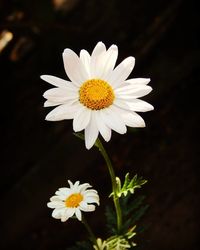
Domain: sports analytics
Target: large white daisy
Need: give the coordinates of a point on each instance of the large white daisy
(98, 97)
(68, 202)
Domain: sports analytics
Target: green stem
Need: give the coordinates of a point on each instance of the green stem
(88, 228)
(114, 184)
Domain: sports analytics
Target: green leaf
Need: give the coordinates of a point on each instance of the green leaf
(132, 211)
(121, 242)
(129, 185)
(111, 221)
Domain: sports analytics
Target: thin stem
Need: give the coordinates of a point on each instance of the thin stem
(114, 184)
(88, 228)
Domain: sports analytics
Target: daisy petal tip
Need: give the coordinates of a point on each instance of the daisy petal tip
(49, 118)
(66, 51)
(79, 216)
(48, 204)
(114, 47)
(63, 219)
(44, 77)
(88, 147)
(70, 183)
(148, 80)
(75, 128)
(45, 105)
(100, 43)
(131, 59)
(151, 108)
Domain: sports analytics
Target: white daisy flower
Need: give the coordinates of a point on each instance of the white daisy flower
(98, 97)
(71, 201)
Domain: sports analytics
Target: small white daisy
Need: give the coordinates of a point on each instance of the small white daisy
(99, 98)
(71, 201)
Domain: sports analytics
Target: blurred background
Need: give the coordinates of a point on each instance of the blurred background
(39, 156)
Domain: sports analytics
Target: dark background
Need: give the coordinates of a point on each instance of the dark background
(39, 156)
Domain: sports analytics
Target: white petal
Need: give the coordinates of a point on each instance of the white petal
(58, 82)
(90, 192)
(139, 81)
(97, 59)
(69, 212)
(109, 61)
(133, 91)
(92, 200)
(70, 184)
(64, 216)
(78, 214)
(134, 105)
(121, 72)
(64, 191)
(113, 121)
(102, 127)
(91, 132)
(74, 67)
(61, 195)
(51, 104)
(81, 119)
(56, 204)
(75, 187)
(63, 112)
(57, 213)
(60, 95)
(55, 198)
(90, 208)
(85, 207)
(131, 119)
(86, 60)
(95, 196)
(137, 94)
(83, 187)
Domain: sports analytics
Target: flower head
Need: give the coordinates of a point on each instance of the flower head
(71, 201)
(98, 97)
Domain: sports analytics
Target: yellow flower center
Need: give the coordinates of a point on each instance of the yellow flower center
(96, 94)
(73, 200)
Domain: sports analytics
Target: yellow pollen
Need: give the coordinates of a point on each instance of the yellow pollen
(73, 200)
(96, 94)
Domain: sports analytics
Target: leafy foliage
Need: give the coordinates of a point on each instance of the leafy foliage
(132, 211)
(121, 242)
(129, 185)
(111, 220)
(100, 245)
